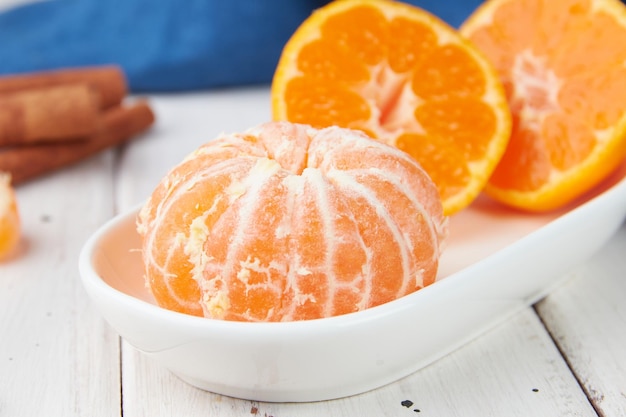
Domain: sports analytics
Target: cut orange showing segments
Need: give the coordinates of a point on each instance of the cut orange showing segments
(285, 222)
(9, 217)
(562, 65)
(404, 77)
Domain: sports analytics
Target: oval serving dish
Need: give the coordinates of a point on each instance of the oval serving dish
(497, 261)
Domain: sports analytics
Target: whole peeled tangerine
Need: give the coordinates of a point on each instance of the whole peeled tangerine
(286, 222)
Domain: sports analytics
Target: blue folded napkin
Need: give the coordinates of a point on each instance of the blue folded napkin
(167, 45)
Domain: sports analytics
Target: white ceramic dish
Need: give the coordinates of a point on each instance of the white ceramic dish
(497, 262)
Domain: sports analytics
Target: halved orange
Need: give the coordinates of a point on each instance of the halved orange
(562, 65)
(404, 77)
(9, 217)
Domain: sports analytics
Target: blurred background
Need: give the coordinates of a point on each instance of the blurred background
(165, 45)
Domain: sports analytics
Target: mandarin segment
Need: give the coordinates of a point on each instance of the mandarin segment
(407, 63)
(449, 70)
(10, 226)
(369, 43)
(333, 104)
(562, 62)
(286, 222)
(472, 118)
(428, 153)
(247, 243)
(414, 41)
(317, 62)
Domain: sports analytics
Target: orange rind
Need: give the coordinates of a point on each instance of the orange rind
(10, 228)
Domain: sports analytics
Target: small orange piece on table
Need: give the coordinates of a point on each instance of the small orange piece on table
(10, 229)
(562, 65)
(404, 77)
(286, 222)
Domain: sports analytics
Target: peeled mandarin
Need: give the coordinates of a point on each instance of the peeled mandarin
(287, 222)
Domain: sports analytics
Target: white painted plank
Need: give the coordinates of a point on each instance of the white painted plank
(587, 318)
(513, 370)
(57, 357)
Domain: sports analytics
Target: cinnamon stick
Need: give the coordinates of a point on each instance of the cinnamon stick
(118, 125)
(66, 112)
(108, 80)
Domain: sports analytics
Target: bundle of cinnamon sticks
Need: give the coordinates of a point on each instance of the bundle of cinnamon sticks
(51, 119)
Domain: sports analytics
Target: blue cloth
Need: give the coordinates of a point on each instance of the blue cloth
(167, 45)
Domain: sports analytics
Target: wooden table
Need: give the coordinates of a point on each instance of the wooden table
(565, 356)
